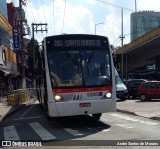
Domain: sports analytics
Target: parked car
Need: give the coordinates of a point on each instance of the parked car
(132, 86)
(149, 90)
(121, 89)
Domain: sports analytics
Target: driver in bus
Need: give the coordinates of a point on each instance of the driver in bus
(77, 79)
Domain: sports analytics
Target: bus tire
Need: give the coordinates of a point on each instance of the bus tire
(97, 116)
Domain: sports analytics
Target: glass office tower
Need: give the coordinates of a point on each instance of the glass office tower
(143, 22)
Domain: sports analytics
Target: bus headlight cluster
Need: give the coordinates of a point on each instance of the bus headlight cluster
(108, 95)
(58, 98)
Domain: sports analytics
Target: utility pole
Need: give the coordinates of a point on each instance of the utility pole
(35, 28)
(22, 48)
(122, 37)
(135, 6)
(43, 27)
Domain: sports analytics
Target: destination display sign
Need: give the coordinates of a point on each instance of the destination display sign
(77, 43)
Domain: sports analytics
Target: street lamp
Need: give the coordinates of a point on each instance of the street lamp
(96, 25)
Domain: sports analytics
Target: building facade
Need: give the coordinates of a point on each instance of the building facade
(16, 18)
(143, 22)
(3, 9)
(8, 57)
(141, 57)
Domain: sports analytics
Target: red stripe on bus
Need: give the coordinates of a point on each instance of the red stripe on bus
(82, 89)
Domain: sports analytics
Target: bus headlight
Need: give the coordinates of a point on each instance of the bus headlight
(108, 95)
(58, 98)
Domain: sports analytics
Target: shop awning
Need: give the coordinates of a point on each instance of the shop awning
(8, 72)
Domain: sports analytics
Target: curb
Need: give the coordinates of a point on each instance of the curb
(155, 118)
(132, 113)
(127, 112)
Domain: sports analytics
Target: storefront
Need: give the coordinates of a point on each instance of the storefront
(8, 62)
(8, 69)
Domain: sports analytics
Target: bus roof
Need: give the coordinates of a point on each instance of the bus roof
(76, 40)
(64, 36)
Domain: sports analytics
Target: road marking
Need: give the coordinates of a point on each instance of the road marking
(16, 119)
(105, 130)
(10, 133)
(26, 111)
(42, 132)
(73, 132)
(124, 126)
(133, 119)
(90, 128)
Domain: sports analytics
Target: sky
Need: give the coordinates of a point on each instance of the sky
(103, 17)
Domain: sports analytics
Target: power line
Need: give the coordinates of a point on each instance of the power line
(32, 11)
(115, 5)
(37, 33)
(43, 11)
(33, 14)
(44, 18)
(117, 40)
(53, 17)
(37, 10)
(64, 17)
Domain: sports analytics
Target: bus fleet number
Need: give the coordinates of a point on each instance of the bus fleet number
(94, 94)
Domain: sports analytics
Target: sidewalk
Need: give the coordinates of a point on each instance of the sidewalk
(148, 109)
(6, 111)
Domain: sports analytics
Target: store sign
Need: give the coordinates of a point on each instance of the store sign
(16, 38)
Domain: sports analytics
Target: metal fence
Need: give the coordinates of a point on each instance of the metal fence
(21, 96)
(31, 92)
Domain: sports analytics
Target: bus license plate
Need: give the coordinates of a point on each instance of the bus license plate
(85, 105)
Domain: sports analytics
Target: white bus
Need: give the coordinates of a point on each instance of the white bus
(75, 75)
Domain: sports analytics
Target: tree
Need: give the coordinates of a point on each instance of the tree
(32, 48)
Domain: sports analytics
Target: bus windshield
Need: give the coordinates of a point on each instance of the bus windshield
(79, 68)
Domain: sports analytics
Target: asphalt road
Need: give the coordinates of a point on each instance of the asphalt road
(31, 124)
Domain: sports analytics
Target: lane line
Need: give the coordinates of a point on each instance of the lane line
(10, 133)
(16, 119)
(105, 130)
(42, 132)
(124, 126)
(73, 132)
(133, 119)
(26, 111)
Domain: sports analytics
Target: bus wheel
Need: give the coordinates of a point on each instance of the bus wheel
(97, 116)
